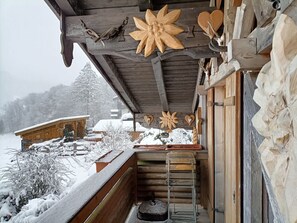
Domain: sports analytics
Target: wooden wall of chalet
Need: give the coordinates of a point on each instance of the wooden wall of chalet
(152, 176)
(53, 131)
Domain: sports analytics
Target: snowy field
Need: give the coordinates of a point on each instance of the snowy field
(7, 143)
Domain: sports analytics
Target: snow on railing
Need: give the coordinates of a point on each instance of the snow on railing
(72, 203)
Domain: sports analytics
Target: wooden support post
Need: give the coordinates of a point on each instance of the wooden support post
(210, 147)
(219, 156)
(233, 151)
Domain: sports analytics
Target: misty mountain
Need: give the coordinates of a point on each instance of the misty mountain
(89, 94)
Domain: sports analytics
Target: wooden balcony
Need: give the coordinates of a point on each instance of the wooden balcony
(112, 195)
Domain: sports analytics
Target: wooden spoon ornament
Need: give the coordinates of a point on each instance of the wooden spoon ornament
(210, 23)
(148, 119)
(190, 119)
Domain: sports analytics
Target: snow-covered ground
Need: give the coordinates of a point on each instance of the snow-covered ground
(7, 143)
(80, 169)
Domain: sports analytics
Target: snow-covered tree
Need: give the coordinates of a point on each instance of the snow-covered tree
(117, 138)
(91, 95)
(35, 174)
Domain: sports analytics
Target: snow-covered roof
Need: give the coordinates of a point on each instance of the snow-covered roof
(105, 124)
(127, 116)
(51, 122)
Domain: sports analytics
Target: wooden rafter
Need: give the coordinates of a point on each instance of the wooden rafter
(112, 72)
(158, 72)
(196, 93)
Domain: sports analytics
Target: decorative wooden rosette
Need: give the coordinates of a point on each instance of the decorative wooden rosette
(168, 121)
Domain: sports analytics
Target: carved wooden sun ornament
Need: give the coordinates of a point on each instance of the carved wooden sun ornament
(168, 120)
(157, 31)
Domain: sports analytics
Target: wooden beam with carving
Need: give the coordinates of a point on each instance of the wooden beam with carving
(139, 117)
(95, 21)
(158, 72)
(115, 77)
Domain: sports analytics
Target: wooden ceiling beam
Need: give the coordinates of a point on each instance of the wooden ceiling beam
(113, 74)
(158, 73)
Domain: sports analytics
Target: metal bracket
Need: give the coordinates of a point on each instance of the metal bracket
(230, 101)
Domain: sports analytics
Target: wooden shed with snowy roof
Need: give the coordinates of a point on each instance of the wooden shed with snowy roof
(53, 129)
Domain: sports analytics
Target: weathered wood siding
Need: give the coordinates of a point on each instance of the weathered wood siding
(210, 148)
(152, 178)
(233, 151)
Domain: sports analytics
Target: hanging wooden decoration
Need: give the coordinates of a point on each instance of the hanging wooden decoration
(168, 120)
(195, 136)
(190, 119)
(148, 119)
(157, 31)
(210, 23)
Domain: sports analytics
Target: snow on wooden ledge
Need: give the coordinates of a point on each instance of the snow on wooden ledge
(67, 208)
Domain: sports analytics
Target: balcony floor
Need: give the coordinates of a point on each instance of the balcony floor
(202, 217)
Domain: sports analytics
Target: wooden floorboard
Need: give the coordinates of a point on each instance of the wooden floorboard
(202, 216)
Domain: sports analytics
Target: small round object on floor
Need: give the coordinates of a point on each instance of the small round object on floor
(153, 210)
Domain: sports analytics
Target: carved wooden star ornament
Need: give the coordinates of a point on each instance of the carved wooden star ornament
(157, 31)
(168, 120)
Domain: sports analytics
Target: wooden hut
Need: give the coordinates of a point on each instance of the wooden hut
(170, 74)
(53, 129)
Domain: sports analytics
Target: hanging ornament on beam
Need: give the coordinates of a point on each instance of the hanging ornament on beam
(157, 31)
(168, 121)
(148, 119)
(190, 119)
(210, 23)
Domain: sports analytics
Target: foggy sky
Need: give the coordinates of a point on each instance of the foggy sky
(30, 59)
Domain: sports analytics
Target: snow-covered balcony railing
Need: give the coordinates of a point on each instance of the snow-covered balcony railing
(108, 194)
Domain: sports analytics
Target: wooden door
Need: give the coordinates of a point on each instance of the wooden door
(210, 147)
(233, 150)
(219, 156)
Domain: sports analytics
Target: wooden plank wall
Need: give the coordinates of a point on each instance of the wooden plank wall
(255, 199)
(152, 178)
(233, 151)
(219, 156)
(210, 147)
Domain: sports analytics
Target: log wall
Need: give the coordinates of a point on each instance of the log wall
(152, 176)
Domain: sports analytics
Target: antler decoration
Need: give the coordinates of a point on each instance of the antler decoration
(168, 120)
(157, 31)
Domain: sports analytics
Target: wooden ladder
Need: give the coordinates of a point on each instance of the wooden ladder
(181, 173)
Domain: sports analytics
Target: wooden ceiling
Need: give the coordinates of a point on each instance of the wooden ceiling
(161, 82)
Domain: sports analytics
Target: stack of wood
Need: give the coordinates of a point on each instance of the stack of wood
(277, 119)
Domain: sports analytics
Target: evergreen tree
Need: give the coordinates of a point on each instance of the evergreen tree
(91, 95)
